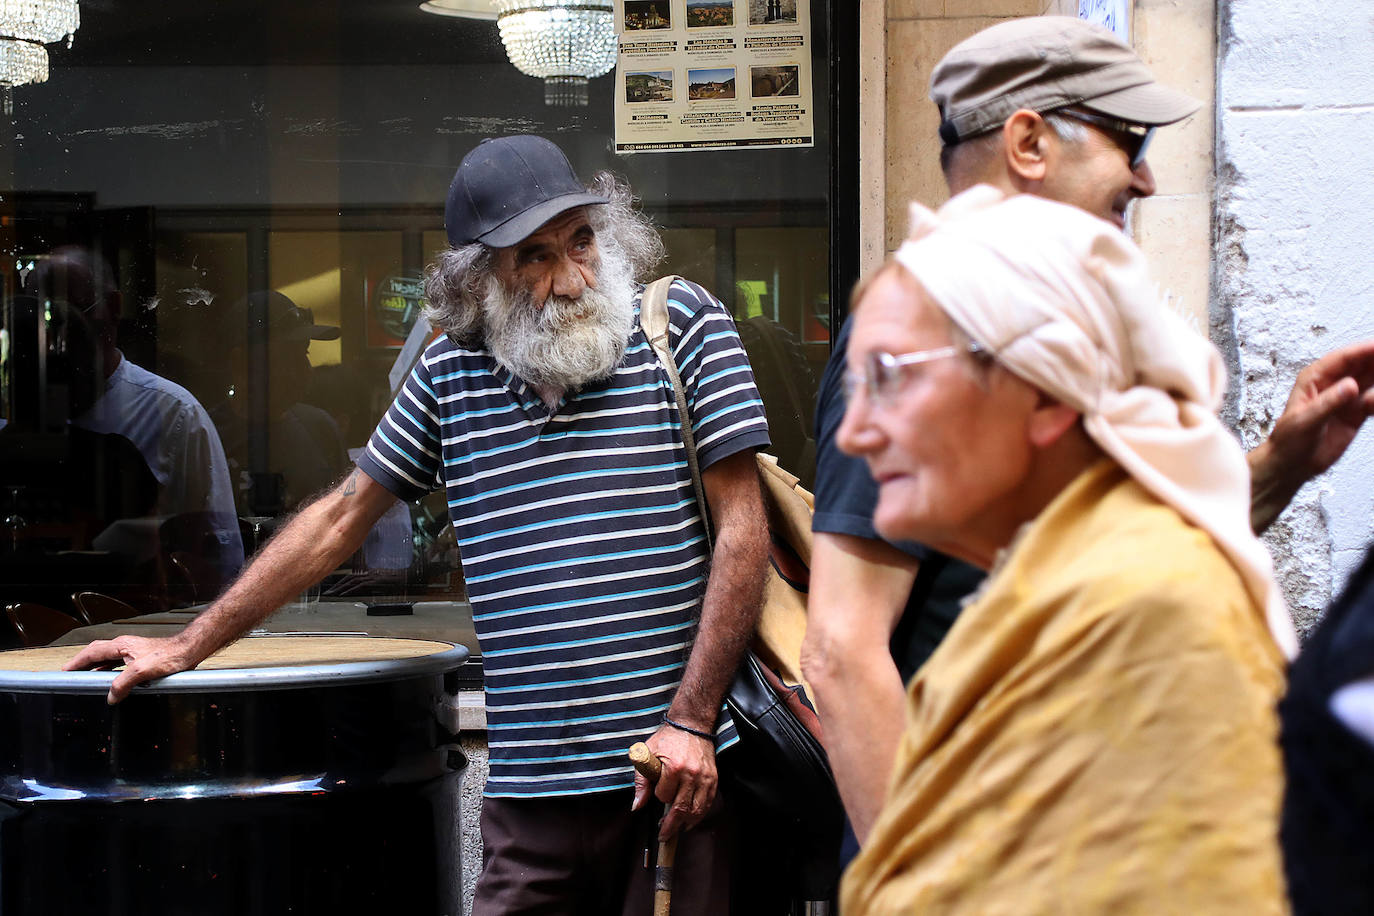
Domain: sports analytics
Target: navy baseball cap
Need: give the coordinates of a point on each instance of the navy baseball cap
(284, 319)
(507, 188)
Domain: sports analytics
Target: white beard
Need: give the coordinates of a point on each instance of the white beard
(569, 342)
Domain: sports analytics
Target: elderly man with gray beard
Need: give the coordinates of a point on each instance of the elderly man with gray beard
(544, 413)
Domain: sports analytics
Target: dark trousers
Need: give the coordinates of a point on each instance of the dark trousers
(585, 854)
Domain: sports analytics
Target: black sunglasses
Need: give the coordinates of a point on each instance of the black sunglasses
(1134, 138)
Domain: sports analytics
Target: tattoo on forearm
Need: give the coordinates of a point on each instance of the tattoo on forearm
(351, 484)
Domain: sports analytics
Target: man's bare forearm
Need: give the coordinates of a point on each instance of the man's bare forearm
(859, 589)
(313, 543)
(728, 616)
(734, 591)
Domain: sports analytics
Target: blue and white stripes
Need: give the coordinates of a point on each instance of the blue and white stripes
(581, 541)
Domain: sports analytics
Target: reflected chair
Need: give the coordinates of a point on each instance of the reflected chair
(195, 549)
(192, 579)
(93, 608)
(38, 624)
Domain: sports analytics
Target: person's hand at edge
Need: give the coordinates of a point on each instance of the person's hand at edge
(1330, 400)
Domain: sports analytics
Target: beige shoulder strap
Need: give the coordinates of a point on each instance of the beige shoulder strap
(653, 318)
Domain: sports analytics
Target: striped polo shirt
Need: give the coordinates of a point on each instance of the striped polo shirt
(582, 545)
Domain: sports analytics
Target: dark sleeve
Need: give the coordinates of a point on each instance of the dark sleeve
(846, 493)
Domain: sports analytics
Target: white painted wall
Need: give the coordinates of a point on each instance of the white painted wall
(1294, 271)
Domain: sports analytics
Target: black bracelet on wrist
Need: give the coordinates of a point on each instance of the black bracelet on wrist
(683, 728)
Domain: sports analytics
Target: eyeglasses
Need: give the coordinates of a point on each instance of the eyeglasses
(1132, 137)
(883, 373)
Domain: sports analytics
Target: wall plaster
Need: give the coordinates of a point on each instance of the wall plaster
(1292, 273)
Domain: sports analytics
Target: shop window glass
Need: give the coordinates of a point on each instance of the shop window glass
(691, 253)
(231, 204)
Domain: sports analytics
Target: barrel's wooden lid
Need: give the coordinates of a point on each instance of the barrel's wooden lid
(257, 652)
(251, 662)
(256, 662)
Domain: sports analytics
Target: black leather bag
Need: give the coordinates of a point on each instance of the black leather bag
(792, 763)
(782, 769)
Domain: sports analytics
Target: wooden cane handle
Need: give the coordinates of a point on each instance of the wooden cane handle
(649, 766)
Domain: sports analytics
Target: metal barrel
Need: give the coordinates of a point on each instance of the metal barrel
(328, 787)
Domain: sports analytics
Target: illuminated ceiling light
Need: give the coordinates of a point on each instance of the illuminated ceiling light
(565, 42)
(27, 25)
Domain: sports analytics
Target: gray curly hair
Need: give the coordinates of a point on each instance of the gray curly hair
(456, 283)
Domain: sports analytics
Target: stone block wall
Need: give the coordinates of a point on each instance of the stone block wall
(1174, 227)
(1294, 273)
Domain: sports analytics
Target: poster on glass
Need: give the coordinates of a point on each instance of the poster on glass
(713, 74)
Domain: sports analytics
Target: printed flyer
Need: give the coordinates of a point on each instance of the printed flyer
(712, 74)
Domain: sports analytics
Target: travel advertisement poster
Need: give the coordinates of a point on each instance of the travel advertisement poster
(712, 74)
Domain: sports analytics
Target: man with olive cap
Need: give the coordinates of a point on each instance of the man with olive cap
(546, 417)
(1058, 108)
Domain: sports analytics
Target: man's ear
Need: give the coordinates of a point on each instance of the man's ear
(1049, 421)
(1025, 148)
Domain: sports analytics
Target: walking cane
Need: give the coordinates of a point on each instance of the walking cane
(650, 767)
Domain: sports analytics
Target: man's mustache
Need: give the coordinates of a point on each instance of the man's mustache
(558, 310)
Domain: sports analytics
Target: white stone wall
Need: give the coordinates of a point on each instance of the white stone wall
(470, 811)
(1294, 272)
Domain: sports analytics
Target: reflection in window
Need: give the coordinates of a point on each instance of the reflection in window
(245, 223)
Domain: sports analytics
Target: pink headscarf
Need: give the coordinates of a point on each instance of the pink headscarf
(1065, 301)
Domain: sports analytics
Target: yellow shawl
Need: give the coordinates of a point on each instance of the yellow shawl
(1096, 734)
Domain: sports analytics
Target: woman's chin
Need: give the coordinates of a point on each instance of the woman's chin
(897, 522)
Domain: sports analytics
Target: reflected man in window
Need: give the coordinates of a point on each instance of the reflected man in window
(163, 420)
(281, 450)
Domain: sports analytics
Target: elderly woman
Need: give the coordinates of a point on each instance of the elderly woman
(1097, 732)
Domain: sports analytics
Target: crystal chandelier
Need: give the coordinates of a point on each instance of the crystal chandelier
(27, 25)
(566, 42)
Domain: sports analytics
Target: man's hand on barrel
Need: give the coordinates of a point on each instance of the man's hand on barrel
(143, 659)
(687, 785)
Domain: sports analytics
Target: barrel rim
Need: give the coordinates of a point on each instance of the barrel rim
(239, 680)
